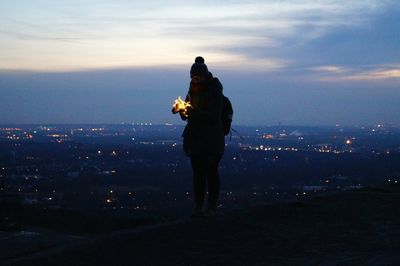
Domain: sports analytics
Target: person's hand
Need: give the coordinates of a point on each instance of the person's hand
(189, 111)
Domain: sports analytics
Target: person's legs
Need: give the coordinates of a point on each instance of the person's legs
(199, 182)
(213, 182)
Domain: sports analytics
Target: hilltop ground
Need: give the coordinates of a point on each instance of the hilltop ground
(350, 228)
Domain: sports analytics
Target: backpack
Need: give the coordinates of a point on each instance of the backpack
(227, 114)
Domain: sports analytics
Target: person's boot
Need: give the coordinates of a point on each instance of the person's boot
(211, 212)
(197, 213)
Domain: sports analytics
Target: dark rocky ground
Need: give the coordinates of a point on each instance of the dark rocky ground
(351, 228)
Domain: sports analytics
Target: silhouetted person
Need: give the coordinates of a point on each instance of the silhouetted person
(203, 135)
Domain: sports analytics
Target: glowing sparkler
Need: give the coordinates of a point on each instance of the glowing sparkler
(181, 106)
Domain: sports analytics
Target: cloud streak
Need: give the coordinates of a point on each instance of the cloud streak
(341, 73)
(377, 74)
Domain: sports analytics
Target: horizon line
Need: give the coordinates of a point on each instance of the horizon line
(172, 124)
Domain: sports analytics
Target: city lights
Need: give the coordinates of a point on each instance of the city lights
(151, 173)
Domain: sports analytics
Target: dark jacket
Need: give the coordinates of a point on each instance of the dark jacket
(203, 134)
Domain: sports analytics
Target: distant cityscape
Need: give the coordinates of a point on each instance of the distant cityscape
(140, 170)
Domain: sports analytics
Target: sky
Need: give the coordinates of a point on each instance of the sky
(290, 62)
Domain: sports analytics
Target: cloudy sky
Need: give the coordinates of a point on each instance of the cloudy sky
(290, 62)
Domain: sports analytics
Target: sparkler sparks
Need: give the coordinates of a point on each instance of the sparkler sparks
(181, 106)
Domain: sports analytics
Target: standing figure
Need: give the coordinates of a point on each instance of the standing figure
(203, 137)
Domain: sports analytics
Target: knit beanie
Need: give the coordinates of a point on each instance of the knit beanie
(199, 68)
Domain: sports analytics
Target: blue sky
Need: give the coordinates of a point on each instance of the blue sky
(291, 62)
